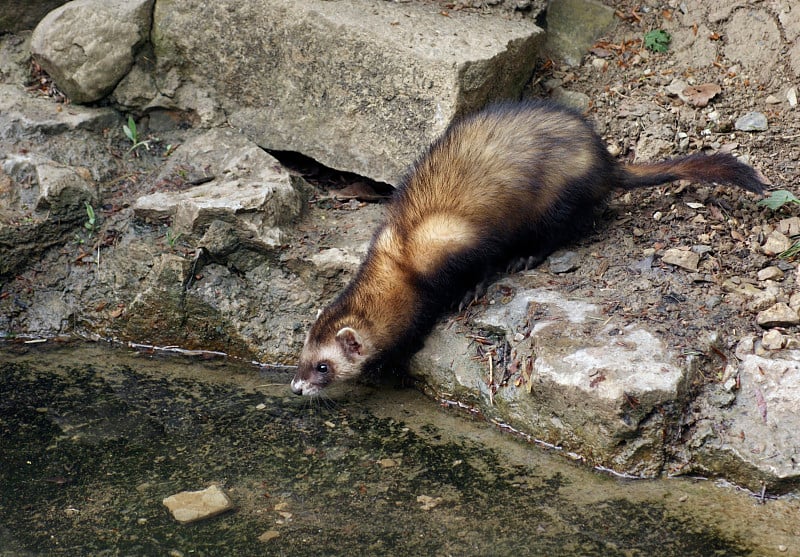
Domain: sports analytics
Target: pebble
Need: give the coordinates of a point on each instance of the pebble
(685, 259)
(790, 226)
(191, 506)
(779, 315)
(770, 273)
(752, 122)
(269, 535)
(776, 243)
(563, 262)
(791, 96)
(773, 340)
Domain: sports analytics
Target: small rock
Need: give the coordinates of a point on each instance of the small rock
(790, 226)
(770, 273)
(752, 122)
(772, 99)
(794, 301)
(685, 259)
(773, 340)
(791, 96)
(776, 243)
(599, 64)
(677, 87)
(191, 506)
(388, 463)
(563, 262)
(428, 502)
(268, 535)
(779, 315)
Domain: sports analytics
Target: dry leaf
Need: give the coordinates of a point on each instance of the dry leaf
(699, 95)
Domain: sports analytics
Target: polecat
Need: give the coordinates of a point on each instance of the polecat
(513, 180)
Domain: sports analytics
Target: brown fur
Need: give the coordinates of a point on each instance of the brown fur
(514, 180)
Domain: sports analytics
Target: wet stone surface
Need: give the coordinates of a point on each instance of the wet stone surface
(93, 440)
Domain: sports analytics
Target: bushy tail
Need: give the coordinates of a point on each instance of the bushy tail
(721, 168)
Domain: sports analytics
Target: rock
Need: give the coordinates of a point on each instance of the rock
(754, 441)
(776, 243)
(676, 87)
(770, 273)
(752, 122)
(190, 506)
(87, 46)
(41, 201)
(240, 184)
(608, 393)
(388, 76)
(791, 96)
(779, 315)
(685, 259)
(759, 300)
(573, 26)
(563, 262)
(23, 116)
(773, 340)
(332, 261)
(790, 226)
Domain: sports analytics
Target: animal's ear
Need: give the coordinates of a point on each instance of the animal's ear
(350, 341)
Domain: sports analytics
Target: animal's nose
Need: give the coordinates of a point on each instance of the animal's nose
(297, 386)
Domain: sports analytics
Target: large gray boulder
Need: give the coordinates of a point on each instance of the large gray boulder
(610, 395)
(360, 85)
(88, 46)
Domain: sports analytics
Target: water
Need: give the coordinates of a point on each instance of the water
(94, 438)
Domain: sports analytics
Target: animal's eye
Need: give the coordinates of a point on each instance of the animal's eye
(322, 368)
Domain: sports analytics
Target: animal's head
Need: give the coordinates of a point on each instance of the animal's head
(328, 358)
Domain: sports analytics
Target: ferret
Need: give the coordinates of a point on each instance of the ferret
(512, 182)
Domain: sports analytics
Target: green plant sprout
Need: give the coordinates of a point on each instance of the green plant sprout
(91, 219)
(172, 238)
(657, 40)
(132, 134)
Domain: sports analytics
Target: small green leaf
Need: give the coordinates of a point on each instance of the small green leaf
(657, 40)
(130, 129)
(778, 199)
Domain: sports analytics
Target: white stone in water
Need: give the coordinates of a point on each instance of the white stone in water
(191, 506)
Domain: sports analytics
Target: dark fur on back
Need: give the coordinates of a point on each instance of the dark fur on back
(513, 180)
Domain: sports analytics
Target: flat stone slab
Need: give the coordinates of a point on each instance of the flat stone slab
(387, 76)
(238, 183)
(22, 115)
(190, 506)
